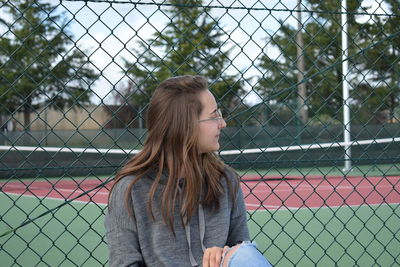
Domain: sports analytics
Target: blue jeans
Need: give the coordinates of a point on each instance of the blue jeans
(246, 255)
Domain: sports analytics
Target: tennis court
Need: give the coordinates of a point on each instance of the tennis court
(325, 219)
(309, 90)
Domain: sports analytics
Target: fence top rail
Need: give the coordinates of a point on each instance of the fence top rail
(257, 6)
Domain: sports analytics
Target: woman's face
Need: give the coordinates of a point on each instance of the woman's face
(210, 123)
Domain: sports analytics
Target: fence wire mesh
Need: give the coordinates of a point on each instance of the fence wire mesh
(310, 91)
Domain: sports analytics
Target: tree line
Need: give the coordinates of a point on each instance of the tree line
(40, 64)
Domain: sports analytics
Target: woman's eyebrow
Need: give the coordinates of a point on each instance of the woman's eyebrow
(214, 111)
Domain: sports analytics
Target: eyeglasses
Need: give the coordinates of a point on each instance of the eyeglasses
(217, 118)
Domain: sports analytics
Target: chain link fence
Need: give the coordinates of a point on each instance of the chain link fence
(310, 91)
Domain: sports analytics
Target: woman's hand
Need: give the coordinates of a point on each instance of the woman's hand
(212, 256)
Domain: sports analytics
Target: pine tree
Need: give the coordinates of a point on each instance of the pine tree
(190, 43)
(379, 98)
(322, 53)
(38, 61)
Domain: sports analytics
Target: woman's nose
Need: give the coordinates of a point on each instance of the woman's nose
(222, 123)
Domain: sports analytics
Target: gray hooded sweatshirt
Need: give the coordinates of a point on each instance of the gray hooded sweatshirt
(142, 241)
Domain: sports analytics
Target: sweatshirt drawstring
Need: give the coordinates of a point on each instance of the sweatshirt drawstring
(192, 260)
(202, 226)
(202, 230)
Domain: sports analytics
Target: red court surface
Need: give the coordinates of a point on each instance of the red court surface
(271, 194)
(316, 192)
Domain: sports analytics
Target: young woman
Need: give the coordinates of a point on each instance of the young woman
(175, 203)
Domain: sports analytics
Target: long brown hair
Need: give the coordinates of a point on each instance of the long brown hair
(171, 147)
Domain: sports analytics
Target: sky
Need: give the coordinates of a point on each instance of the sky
(108, 32)
(121, 26)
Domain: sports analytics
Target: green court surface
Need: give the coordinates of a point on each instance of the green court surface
(74, 234)
(343, 236)
(70, 236)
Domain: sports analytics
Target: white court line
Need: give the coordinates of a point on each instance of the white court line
(55, 198)
(18, 186)
(317, 189)
(82, 191)
(260, 205)
(325, 207)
